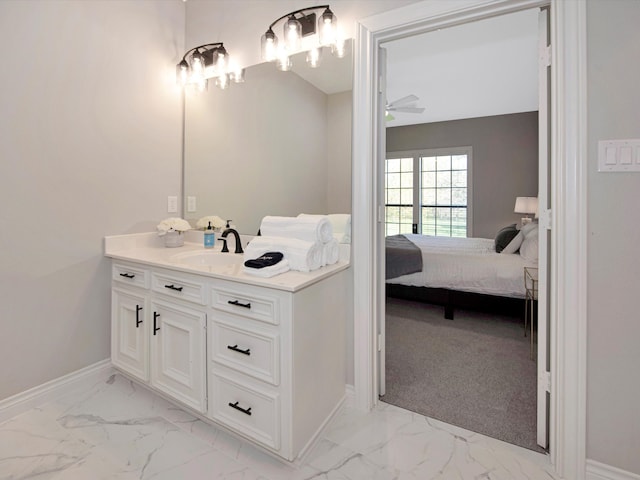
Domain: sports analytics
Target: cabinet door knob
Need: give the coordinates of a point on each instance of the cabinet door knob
(155, 322)
(239, 350)
(138, 310)
(246, 411)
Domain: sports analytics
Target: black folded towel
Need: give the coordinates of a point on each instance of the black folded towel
(266, 260)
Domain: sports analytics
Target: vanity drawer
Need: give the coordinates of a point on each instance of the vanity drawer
(130, 275)
(247, 303)
(252, 352)
(178, 286)
(247, 410)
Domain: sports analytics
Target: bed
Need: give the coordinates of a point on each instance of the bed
(461, 272)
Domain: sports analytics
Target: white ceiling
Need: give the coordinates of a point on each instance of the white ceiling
(484, 68)
(479, 69)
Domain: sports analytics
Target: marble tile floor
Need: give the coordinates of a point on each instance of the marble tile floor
(118, 430)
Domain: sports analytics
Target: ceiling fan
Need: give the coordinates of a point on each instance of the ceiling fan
(405, 104)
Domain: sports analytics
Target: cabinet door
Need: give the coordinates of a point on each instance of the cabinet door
(178, 353)
(130, 333)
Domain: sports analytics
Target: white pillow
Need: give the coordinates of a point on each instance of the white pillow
(527, 228)
(529, 247)
(514, 244)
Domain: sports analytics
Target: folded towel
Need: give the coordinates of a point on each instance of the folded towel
(267, 272)
(330, 252)
(311, 228)
(341, 224)
(302, 256)
(269, 259)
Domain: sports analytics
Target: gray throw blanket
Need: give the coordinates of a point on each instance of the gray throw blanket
(402, 257)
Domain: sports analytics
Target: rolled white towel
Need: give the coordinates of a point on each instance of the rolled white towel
(281, 267)
(311, 228)
(330, 252)
(302, 256)
(341, 224)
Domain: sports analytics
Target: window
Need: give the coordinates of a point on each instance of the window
(428, 192)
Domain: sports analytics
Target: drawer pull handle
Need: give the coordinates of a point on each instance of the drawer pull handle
(138, 321)
(238, 304)
(239, 350)
(235, 405)
(127, 275)
(173, 287)
(155, 322)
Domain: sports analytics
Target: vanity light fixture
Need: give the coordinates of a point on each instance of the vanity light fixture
(299, 24)
(207, 61)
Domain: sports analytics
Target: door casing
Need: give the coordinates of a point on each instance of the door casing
(568, 190)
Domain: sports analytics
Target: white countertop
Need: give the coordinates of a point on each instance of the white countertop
(149, 249)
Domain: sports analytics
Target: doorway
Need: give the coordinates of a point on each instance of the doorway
(478, 85)
(568, 269)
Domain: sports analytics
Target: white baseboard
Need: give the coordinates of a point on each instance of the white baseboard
(602, 471)
(36, 396)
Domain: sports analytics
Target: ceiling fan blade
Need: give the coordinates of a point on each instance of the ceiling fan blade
(408, 109)
(404, 100)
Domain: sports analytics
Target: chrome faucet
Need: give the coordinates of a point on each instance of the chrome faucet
(237, 238)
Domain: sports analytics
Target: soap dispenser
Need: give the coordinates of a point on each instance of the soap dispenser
(209, 237)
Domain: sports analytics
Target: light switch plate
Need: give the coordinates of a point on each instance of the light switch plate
(191, 204)
(172, 204)
(619, 155)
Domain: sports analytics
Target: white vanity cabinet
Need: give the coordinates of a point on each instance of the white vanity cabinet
(158, 331)
(264, 359)
(277, 361)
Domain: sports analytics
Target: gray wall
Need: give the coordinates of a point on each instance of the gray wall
(505, 161)
(258, 148)
(89, 146)
(613, 354)
(339, 108)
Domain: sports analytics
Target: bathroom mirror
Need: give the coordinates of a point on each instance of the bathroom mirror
(277, 144)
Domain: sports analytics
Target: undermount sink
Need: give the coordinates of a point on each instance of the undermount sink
(207, 258)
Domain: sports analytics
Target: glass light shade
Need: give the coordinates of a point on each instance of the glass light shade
(338, 48)
(327, 28)
(269, 46)
(197, 67)
(284, 63)
(292, 34)
(182, 73)
(220, 59)
(237, 75)
(314, 56)
(222, 82)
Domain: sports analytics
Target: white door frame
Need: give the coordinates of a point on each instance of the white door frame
(568, 172)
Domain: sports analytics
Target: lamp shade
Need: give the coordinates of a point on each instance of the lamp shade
(527, 205)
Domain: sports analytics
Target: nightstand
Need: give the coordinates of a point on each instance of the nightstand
(531, 295)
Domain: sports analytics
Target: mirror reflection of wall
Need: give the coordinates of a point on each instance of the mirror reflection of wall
(277, 144)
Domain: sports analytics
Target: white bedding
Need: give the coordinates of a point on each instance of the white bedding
(466, 264)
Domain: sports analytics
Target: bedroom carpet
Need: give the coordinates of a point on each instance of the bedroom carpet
(473, 372)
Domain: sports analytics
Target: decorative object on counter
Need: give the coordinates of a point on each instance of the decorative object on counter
(172, 230)
(203, 62)
(302, 23)
(216, 222)
(210, 224)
